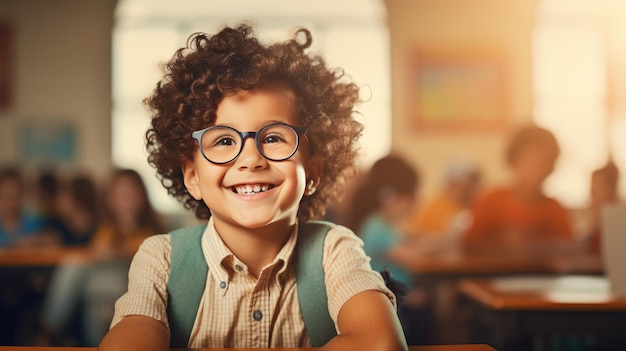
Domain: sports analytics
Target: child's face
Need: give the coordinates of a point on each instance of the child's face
(285, 181)
(125, 197)
(533, 165)
(10, 196)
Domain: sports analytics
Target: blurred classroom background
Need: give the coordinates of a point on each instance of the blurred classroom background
(445, 84)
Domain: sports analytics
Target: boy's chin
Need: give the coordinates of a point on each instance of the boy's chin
(257, 222)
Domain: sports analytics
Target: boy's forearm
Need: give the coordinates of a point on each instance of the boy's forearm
(369, 323)
(136, 333)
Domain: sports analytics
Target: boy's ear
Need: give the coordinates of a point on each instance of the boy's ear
(313, 174)
(192, 180)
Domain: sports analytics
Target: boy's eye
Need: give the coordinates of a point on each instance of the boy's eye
(220, 138)
(225, 141)
(270, 139)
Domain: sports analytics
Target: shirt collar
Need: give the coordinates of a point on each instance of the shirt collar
(221, 260)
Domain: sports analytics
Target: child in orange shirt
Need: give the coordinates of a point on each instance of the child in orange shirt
(520, 218)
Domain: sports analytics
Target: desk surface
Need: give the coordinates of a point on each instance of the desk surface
(464, 264)
(35, 257)
(474, 347)
(456, 264)
(566, 293)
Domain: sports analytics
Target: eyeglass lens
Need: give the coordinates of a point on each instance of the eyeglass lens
(275, 142)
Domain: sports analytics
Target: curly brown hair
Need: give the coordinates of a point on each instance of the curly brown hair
(209, 68)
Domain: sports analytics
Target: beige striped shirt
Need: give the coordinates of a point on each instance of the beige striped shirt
(238, 310)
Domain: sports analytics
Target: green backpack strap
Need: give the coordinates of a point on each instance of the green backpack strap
(312, 295)
(188, 272)
(185, 284)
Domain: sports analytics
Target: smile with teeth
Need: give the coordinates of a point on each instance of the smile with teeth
(251, 188)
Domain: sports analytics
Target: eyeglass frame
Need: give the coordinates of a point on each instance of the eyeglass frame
(198, 134)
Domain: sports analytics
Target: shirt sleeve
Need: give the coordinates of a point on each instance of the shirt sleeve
(561, 221)
(147, 281)
(347, 270)
(485, 209)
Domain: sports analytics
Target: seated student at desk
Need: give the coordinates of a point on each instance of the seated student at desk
(76, 213)
(18, 227)
(441, 221)
(604, 190)
(92, 280)
(377, 210)
(257, 139)
(519, 218)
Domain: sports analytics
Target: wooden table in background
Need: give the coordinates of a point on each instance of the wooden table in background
(539, 312)
(440, 274)
(34, 257)
(455, 265)
(475, 347)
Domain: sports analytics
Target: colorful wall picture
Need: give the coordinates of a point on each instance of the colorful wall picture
(458, 91)
(47, 142)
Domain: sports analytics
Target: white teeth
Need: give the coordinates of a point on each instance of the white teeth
(251, 188)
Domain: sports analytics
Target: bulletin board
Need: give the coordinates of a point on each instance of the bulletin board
(458, 91)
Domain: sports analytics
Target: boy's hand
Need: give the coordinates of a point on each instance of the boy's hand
(368, 321)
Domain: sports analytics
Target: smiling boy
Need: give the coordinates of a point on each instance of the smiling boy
(257, 140)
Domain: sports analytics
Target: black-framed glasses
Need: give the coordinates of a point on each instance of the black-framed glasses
(223, 144)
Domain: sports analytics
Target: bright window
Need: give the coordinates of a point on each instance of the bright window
(573, 75)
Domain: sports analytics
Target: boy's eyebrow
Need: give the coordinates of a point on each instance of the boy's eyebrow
(265, 123)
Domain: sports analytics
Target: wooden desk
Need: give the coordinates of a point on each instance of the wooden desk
(537, 312)
(34, 257)
(454, 265)
(475, 347)
(439, 275)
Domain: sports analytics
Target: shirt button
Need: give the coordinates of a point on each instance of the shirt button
(238, 267)
(223, 285)
(257, 315)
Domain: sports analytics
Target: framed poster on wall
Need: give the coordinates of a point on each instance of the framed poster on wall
(457, 91)
(47, 142)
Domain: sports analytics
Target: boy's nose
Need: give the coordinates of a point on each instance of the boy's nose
(250, 157)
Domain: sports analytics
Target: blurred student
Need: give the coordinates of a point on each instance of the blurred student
(18, 227)
(519, 218)
(76, 216)
(377, 210)
(46, 191)
(604, 190)
(95, 279)
(448, 214)
(129, 217)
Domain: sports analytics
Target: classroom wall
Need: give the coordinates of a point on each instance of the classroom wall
(62, 58)
(502, 27)
(61, 72)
